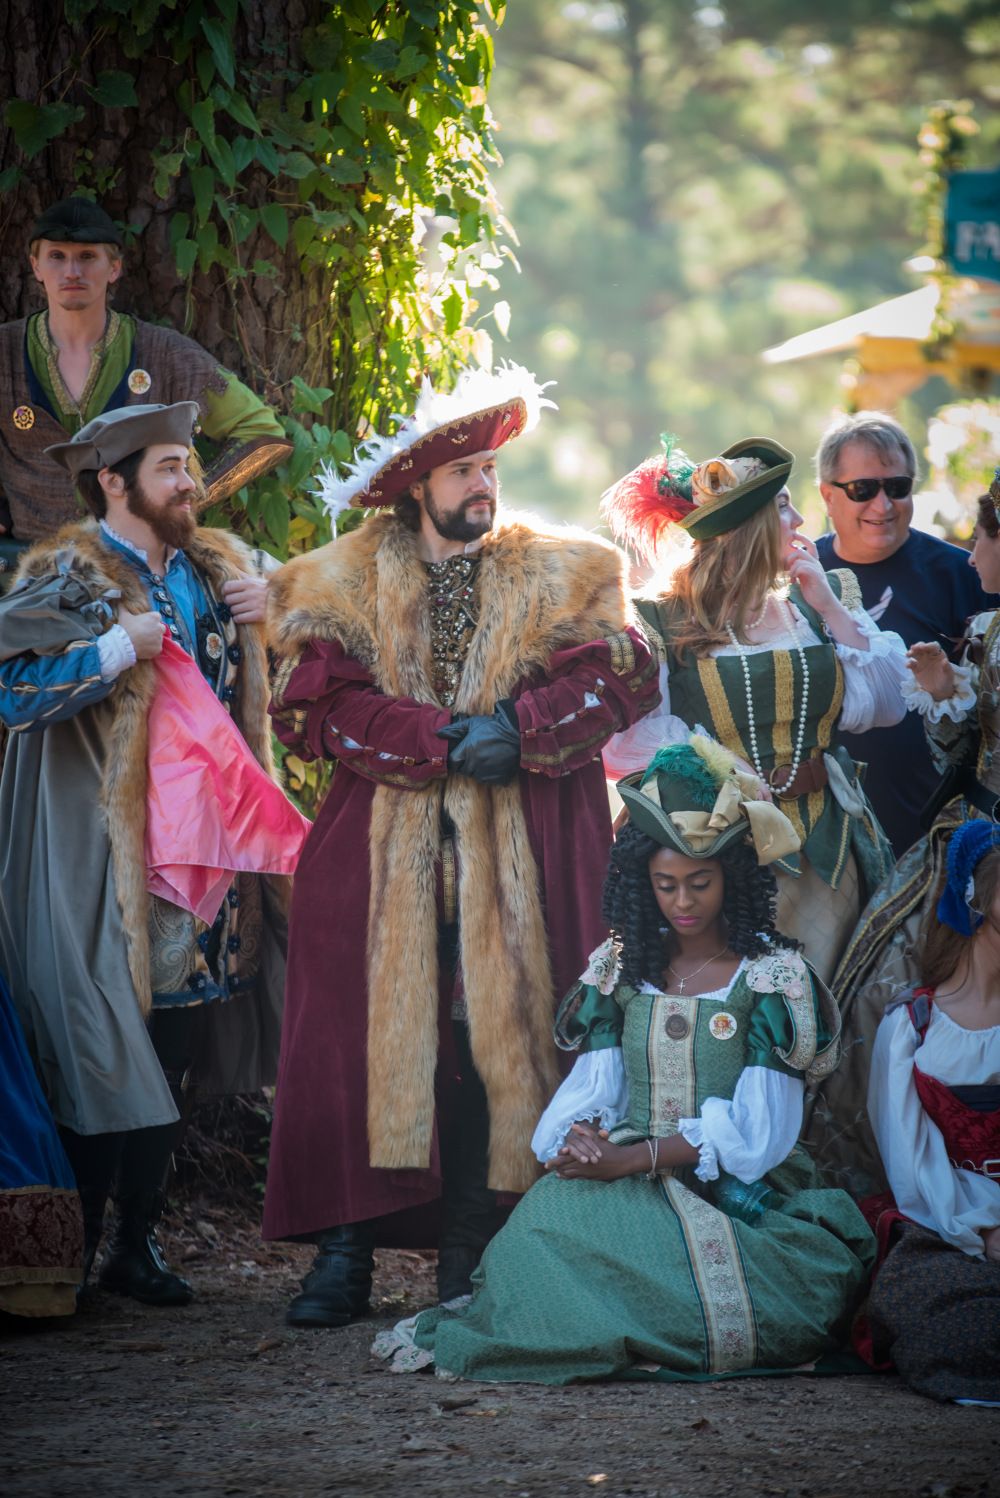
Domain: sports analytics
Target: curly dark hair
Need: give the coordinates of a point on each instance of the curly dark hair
(636, 921)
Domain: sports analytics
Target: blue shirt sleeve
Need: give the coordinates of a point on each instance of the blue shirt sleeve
(36, 690)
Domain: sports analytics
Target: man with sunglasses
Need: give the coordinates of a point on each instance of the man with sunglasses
(911, 582)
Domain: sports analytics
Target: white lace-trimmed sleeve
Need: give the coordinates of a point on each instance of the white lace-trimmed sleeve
(752, 1133)
(874, 679)
(957, 707)
(115, 652)
(624, 753)
(959, 1205)
(595, 1088)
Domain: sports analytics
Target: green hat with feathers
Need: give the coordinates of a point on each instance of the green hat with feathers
(695, 797)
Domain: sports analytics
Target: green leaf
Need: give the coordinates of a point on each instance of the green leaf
(298, 165)
(34, 125)
(275, 516)
(203, 120)
(350, 111)
(204, 64)
(411, 60)
(203, 187)
(165, 168)
(274, 217)
(501, 316)
(266, 269)
(208, 246)
(114, 90)
(180, 223)
(381, 57)
(185, 254)
(268, 157)
(303, 233)
(10, 178)
(244, 151)
(308, 398)
(453, 310)
(221, 153)
(343, 169)
(221, 43)
(240, 110)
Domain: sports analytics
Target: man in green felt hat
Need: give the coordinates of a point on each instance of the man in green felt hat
(61, 367)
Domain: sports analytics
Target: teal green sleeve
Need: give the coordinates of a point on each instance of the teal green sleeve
(236, 413)
(772, 1029)
(588, 1020)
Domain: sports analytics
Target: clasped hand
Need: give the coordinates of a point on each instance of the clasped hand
(931, 670)
(487, 748)
(589, 1155)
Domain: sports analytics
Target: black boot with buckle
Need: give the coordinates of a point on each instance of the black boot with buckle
(94, 1158)
(134, 1264)
(338, 1286)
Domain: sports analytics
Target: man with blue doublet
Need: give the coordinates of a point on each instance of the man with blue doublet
(131, 1003)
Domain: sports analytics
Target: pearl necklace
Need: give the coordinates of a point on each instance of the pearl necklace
(751, 721)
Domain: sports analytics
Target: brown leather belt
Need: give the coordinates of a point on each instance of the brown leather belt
(810, 776)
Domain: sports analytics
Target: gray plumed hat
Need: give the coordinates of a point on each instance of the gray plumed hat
(117, 434)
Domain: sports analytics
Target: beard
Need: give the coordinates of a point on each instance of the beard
(169, 523)
(455, 525)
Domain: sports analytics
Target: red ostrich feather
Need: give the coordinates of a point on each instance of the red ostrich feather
(642, 505)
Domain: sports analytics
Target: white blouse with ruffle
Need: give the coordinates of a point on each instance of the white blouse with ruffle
(747, 1135)
(957, 1204)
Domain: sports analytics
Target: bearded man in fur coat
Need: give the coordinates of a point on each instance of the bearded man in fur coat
(463, 670)
(122, 992)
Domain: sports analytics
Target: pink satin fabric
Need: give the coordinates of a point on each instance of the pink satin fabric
(211, 810)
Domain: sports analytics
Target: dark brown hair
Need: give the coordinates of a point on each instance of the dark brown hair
(986, 517)
(89, 485)
(941, 950)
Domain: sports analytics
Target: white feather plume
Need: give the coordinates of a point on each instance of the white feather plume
(475, 390)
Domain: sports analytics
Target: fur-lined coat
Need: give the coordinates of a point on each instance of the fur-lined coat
(81, 939)
(367, 1035)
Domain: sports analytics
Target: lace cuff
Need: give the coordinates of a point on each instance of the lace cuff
(881, 642)
(957, 707)
(693, 1130)
(595, 1089)
(115, 652)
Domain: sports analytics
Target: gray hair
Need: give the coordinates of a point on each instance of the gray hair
(882, 433)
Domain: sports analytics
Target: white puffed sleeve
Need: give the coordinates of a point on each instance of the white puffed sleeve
(959, 1205)
(595, 1088)
(957, 707)
(624, 753)
(751, 1134)
(874, 679)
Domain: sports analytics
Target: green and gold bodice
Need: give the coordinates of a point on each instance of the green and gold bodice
(679, 1050)
(713, 691)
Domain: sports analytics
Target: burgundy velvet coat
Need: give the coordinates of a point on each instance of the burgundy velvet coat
(331, 706)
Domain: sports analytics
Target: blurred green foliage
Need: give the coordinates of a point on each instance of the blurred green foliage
(693, 183)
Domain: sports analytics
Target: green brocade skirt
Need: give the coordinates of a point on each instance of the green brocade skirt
(621, 1279)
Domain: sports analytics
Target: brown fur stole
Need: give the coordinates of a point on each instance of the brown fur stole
(218, 557)
(540, 589)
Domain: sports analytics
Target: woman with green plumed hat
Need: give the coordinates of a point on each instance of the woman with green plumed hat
(771, 655)
(679, 1232)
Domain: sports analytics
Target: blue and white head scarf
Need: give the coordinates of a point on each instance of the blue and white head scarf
(969, 843)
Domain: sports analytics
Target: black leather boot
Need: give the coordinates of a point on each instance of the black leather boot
(468, 1206)
(337, 1287)
(94, 1158)
(134, 1264)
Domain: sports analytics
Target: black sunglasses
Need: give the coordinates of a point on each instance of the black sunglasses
(860, 491)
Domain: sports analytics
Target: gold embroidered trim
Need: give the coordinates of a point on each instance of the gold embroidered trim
(622, 651)
(850, 588)
(528, 759)
(720, 1283)
(449, 880)
(718, 705)
(672, 1073)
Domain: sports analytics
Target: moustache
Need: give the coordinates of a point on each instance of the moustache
(477, 499)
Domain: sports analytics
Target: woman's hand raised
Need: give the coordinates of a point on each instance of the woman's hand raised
(931, 670)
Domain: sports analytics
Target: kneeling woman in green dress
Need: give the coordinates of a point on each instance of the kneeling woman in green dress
(679, 1229)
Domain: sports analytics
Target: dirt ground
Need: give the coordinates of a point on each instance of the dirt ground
(222, 1398)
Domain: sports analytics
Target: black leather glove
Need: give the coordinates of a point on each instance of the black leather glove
(488, 749)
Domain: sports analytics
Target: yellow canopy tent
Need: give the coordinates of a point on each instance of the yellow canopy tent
(886, 343)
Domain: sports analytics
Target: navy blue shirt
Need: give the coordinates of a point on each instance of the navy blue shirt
(925, 592)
